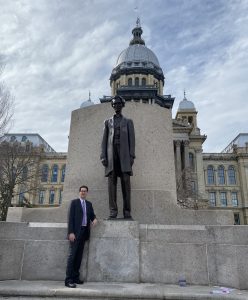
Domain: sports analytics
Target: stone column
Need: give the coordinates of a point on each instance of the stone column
(186, 154)
(178, 157)
(200, 173)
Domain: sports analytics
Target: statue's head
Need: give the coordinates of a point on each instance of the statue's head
(118, 99)
(118, 103)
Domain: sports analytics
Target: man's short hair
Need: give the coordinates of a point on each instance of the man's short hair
(83, 186)
(119, 98)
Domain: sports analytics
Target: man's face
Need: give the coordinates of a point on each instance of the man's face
(83, 193)
(117, 105)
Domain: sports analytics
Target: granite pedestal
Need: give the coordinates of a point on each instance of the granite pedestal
(125, 251)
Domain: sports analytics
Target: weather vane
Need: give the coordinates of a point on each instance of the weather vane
(136, 9)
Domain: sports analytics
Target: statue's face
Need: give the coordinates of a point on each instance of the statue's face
(117, 105)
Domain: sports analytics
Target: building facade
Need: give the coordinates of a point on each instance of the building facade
(46, 186)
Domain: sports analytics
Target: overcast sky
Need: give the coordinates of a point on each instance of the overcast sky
(55, 51)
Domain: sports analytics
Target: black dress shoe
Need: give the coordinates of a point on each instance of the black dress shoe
(70, 284)
(128, 217)
(78, 281)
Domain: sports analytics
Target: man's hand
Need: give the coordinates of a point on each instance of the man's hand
(71, 237)
(94, 222)
(104, 162)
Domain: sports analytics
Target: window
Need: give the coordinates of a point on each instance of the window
(24, 173)
(13, 173)
(210, 174)
(212, 198)
(223, 199)
(130, 82)
(60, 196)
(136, 81)
(193, 186)
(24, 138)
(63, 174)
(44, 173)
(13, 138)
(231, 175)
(54, 173)
(221, 175)
(236, 219)
(143, 81)
(21, 197)
(41, 197)
(234, 199)
(51, 197)
(191, 161)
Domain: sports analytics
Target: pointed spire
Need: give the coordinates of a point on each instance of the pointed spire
(137, 32)
(184, 94)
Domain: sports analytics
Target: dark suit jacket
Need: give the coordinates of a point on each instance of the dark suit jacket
(75, 217)
(127, 144)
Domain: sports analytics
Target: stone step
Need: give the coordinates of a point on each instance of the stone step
(35, 290)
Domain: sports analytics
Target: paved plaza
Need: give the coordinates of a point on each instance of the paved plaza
(16, 289)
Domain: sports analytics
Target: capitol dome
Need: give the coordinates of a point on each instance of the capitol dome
(137, 58)
(137, 54)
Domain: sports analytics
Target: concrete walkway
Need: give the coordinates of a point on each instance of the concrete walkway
(13, 289)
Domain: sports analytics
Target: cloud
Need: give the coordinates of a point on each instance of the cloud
(56, 51)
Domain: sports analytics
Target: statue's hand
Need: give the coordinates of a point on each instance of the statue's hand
(104, 162)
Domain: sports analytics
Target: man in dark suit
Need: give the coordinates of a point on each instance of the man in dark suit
(81, 217)
(117, 156)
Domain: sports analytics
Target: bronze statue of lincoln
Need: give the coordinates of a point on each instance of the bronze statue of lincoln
(117, 156)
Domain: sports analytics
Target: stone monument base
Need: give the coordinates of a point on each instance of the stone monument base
(126, 251)
(153, 209)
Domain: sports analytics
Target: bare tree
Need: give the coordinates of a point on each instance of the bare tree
(188, 195)
(6, 107)
(19, 172)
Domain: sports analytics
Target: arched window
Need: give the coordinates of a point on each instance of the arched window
(136, 81)
(231, 175)
(24, 138)
(44, 173)
(191, 161)
(143, 81)
(210, 174)
(63, 174)
(54, 173)
(221, 175)
(24, 173)
(13, 138)
(130, 82)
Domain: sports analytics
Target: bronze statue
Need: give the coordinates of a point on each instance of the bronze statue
(117, 156)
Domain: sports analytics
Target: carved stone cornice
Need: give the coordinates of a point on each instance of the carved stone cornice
(218, 156)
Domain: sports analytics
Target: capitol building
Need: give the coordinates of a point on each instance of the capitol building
(220, 180)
